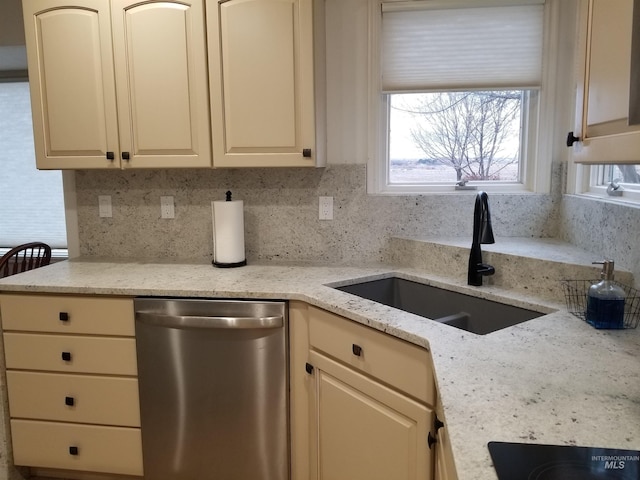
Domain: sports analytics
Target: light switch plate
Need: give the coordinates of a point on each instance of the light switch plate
(167, 209)
(104, 206)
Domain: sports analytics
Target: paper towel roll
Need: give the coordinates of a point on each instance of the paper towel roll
(228, 233)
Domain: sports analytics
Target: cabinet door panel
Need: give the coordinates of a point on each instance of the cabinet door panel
(258, 78)
(367, 431)
(261, 66)
(162, 83)
(610, 66)
(71, 81)
(605, 119)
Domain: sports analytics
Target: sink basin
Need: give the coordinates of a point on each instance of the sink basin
(473, 314)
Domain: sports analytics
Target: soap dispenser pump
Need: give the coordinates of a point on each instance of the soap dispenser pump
(605, 300)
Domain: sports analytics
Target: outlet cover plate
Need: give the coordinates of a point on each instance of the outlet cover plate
(325, 208)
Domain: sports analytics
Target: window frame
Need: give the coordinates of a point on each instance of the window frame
(586, 183)
(536, 148)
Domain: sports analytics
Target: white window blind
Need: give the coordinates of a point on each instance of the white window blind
(430, 46)
(31, 200)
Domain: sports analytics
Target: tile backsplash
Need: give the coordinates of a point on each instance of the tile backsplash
(281, 214)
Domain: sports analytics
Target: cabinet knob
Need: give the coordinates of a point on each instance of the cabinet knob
(571, 139)
(356, 349)
(306, 152)
(111, 156)
(309, 368)
(63, 316)
(438, 424)
(431, 440)
(69, 401)
(66, 356)
(73, 450)
(125, 155)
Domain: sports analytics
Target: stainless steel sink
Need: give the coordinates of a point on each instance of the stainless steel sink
(473, 314)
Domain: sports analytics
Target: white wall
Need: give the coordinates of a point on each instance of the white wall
(347, 81)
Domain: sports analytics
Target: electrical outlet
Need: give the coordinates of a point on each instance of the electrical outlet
(167, 209)
(104, 206)
(326, 208)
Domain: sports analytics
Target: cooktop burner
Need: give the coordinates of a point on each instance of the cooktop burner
(527, 461)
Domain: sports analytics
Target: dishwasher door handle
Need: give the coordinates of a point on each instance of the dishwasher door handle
(192, 321)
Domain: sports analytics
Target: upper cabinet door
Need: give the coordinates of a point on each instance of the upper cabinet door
(608, 122)
(161, 78)
(72, 86)
(261, 65)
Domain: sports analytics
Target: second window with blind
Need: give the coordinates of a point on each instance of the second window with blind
(460, 95)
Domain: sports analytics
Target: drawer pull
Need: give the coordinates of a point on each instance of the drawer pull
(63, 316)
(69, 401)
(431, 440)
(66, 356)
(356, 349)
(73, 450)
(438, 424)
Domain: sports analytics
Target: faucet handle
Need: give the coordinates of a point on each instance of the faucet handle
(484, 269)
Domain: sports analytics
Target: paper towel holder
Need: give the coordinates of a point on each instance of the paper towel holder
(228, 265)
(218, 264)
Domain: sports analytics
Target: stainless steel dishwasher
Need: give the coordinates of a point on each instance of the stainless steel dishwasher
(213, 381)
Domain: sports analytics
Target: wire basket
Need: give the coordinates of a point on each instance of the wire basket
(575, 292)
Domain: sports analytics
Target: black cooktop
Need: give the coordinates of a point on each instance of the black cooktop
(527, 461)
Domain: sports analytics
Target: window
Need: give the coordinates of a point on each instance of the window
(617, 182)
(452, 137)
(31, 200)
(460, 96)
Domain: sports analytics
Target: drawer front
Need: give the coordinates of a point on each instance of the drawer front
(74, 398)
(99, 449)
(68, 314)
(102, 355)
(400, 364)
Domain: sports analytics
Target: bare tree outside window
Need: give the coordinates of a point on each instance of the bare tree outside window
(475, 135)
(626, 174)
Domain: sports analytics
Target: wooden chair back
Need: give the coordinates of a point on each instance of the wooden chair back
(25, 257)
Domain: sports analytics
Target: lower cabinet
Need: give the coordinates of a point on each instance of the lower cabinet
(362, 402)
(365, 430)
(72, 384)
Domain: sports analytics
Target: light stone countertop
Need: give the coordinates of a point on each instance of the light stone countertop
(552, 380)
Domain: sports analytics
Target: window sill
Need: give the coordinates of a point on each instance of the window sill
(627, 200)
(450, 190)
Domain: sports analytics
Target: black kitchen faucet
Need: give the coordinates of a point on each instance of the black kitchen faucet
(482, 233)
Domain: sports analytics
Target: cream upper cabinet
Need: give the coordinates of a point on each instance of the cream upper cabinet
(118, 84)
(72, 86)
(262, 82)
(608, 117)
(161, 80)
